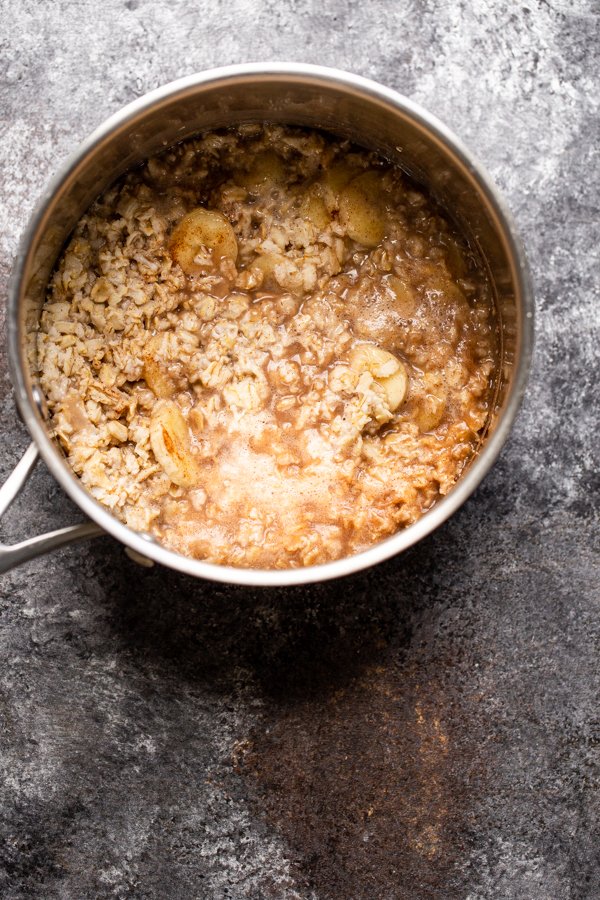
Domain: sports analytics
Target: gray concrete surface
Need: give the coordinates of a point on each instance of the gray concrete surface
(429, 729)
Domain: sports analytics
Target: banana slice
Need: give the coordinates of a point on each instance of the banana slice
(430, 412)
(196, 419)
(334, 179)
(171, 444)
(385, 369)
(155, 372)
(395, 387)
(314, 209)
(267, 168)
(361, 210)
(202, 228)
(158, 380)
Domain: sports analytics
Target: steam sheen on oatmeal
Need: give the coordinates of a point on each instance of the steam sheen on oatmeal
(267, 348)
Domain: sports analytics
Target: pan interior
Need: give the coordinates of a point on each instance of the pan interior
(374, 119)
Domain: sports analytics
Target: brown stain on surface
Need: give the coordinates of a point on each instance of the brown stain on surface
(370, 788)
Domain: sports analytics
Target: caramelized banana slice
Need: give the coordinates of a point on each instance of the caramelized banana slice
(267, 167)
(385, 369)
(334, 179)
(395, 387)
(361, 210)
(155, 371)
(171, 443)
(157, 378)
(431, 412)
(314, 209)
(202, 229)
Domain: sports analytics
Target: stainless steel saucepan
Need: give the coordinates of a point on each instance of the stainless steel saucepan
(345, 104)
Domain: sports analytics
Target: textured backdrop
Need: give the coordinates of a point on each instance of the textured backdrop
(429, 729)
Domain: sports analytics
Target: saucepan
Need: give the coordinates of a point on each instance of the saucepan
(338, 102)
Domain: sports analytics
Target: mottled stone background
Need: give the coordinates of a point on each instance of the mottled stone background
(429, 729)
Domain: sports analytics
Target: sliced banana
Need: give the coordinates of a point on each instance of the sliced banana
(373, 359)
(155, 373)
(202, 228)
(361, 210)
(333, 181)
(171, 444)
(395, 387)
(386, 370)
(431, 407)
(314, 209)
(158, 380)
(266, 167)
(430, 412)
(196, 419)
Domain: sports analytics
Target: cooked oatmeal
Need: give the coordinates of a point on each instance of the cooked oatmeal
(267, 348)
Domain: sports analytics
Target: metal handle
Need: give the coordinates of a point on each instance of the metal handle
(15, 554)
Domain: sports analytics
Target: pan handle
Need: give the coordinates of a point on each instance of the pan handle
(15, 554)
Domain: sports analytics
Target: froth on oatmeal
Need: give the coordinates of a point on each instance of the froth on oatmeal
(267, 348)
